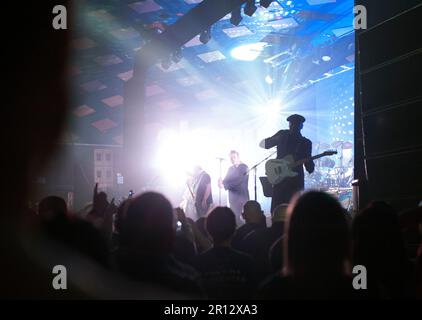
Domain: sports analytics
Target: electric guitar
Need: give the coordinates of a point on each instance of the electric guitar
(279, 169)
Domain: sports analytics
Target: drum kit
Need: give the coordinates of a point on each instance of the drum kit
(334, 174)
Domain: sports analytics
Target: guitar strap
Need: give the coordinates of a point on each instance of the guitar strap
(197, 181)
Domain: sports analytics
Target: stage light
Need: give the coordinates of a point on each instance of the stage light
(250, 8)
(326, 58)
(265, 3)
(236, 17)
(205, 36)
(268, 79)
(248, 52)
(172, 142)
(271, 111)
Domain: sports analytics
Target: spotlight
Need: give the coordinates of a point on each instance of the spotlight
(236, 17)
(250, 8)
(265, 3)
(248, 52)
(326, 58)
(205, 36)
(268, 79)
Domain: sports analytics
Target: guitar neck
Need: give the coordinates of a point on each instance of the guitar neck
(303, 161)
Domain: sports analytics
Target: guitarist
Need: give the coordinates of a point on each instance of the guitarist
(198, 196)
(290, 142)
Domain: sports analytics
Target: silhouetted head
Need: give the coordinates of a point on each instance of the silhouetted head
(377, 237)
(296, 123)
(317, 240)
(194, 171)
(52, 208)
(148, 224)
(221, 224)
(252, 212)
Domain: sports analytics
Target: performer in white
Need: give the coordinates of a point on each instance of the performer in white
(197, 198)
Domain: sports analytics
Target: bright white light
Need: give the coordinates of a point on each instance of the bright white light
(326, 58)
(289, 3)
(272, 110)
(177, 151)
(179, 146)
(248, 52)
(268, 80)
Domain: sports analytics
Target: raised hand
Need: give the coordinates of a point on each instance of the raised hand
(99, 201)
(95, 194)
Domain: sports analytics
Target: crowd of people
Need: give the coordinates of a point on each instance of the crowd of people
(308, 251)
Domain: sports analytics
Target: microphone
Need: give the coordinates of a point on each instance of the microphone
(221, 159)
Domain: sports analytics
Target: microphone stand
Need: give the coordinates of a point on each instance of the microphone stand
(219, 189)
(254, 168)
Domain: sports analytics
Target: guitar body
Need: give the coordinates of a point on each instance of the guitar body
(278, 170)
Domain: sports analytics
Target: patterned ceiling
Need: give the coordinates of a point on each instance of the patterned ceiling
(108, 33)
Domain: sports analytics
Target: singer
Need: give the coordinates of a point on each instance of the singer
(236, 182)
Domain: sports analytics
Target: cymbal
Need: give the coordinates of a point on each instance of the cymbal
(347, 145)
(322, 145)
(342, 144)
(337, 144)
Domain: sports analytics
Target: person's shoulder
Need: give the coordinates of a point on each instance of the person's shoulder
(205, 254)
(206, 176)
(240, 255)
(181, 269)
(306, 140)
(200, 260)
(240, 259)
(282, 132)
(241, 229)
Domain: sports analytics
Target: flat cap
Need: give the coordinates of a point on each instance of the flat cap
(296, 118)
